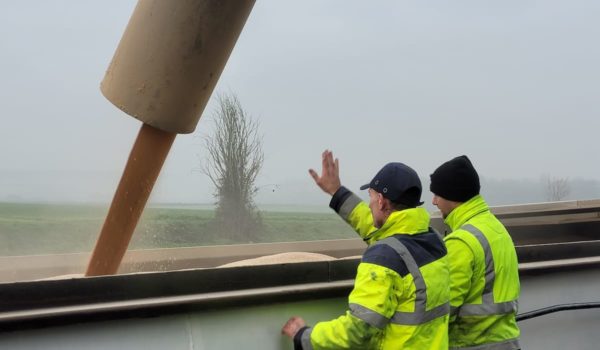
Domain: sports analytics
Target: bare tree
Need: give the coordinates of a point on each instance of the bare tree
(235, 158)
(556, 188)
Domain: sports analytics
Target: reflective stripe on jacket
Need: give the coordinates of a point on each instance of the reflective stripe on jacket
(484, 280)
(400, 298)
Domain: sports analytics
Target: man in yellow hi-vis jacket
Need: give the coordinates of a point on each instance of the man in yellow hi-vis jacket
(400, 298)
(484, 273)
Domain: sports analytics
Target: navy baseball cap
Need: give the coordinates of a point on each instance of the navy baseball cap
(399, 183)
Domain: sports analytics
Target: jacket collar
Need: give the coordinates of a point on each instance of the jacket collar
(466, 211)
(407, 221)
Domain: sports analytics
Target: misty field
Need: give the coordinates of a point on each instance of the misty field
(27, 229)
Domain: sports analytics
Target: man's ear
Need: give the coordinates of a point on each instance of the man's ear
(381, 201)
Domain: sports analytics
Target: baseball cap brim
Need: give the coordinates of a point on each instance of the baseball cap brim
(364, 187)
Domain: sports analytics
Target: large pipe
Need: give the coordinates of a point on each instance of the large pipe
(163, 73)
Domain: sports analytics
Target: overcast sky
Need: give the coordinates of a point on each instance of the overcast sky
(515, 85)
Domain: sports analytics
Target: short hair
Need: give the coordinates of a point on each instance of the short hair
(400, 206)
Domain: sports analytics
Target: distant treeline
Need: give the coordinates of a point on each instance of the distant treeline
(511, 191)
(496, 191)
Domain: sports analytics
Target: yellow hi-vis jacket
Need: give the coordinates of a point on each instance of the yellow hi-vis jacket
(484, 279)
(401, 292)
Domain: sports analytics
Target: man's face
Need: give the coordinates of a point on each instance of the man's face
(376, 206)
(444, 205)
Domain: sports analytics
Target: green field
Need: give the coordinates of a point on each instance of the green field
(27, 229)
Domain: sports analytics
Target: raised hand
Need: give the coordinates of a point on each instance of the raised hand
(329, 181)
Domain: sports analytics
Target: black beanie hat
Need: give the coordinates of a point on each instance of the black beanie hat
(455, 180)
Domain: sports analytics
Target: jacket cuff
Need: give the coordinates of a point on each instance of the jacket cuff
(298, 338)
(339, 197)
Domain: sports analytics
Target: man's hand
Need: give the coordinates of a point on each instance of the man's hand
(329, 181)
(292, 326)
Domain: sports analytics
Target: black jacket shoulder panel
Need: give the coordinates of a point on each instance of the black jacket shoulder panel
(386, 256)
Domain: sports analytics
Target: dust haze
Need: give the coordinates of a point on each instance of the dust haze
(512, 84)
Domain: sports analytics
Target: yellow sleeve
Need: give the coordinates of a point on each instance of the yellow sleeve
(460, 260)
(353, 210)
(370, 309)
(361, 220)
